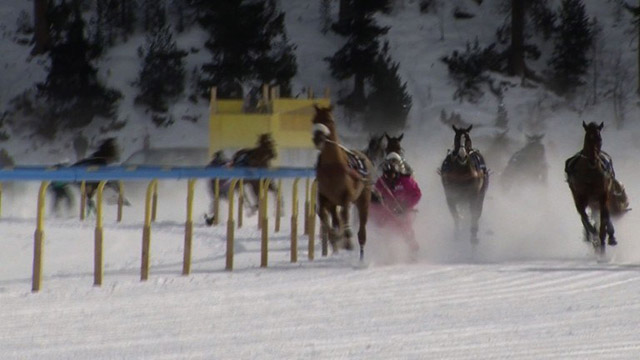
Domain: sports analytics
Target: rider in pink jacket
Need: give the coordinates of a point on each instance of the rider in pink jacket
(399, 194)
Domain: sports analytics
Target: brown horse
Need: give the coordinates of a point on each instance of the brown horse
(344, 177)
(258, 157)
(592, 183)
(465, 179)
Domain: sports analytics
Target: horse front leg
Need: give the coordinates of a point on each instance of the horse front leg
(345, 225)
(362, 204)
(606, 226)
(475, 207)
(327, 229)
(589, 229)
(453, 209)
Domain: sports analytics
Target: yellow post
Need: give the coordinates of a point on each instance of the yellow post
(260, 196)
(146, 231)
(264, 243)
(38, 240)
(278, 206)
(154, 204)
(83, 199)
(188, 229)
(294, 221)
(230, 227)
(97, 248)
(312, 219)
(240, 202)
(306, 207)
(120, 200)
(216, 202)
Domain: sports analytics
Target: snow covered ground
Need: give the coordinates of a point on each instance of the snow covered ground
(532, 290)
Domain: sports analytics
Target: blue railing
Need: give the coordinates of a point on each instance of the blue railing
(146, 172)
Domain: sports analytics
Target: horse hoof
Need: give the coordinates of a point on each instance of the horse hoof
(612, 242)
(348, 245)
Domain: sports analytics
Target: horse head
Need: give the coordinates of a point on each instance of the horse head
(461, 144)
(393, 144)
(324, 127)
(592, 138)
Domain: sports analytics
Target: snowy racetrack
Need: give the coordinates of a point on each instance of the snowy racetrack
(449, 307)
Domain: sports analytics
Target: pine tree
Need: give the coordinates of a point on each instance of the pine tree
(357, 58)
(571, 44)
(163, 75)
(72, 89)
(248, 41)
(325, 15)
(389, 102)
(635, 12)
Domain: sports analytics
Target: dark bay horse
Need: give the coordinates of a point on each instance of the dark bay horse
(259, 156)
(465, 179)
(527, 165)
(344, 177)
(106, 154)
(394, 144)
(591, 179)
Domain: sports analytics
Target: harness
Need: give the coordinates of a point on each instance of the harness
(354, 161)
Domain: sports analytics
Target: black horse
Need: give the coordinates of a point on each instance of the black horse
(259, 157)
(593, 185)
(465, 179)
(527, 165)
(106, 154)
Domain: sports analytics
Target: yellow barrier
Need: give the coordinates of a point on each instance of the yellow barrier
(98, 238)
(294, 221)
(146, 230)
(262, 212)
(230, 226)
(188, 246)
(240, 202)
(287, 119)
(83, 199)
(312, 219)
(188, 229)
(38, 240)
(216, 202)
(278, 206)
